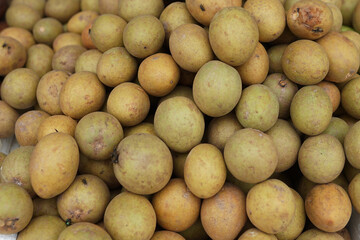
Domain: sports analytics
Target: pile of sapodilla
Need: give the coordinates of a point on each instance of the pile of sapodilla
(188, 120)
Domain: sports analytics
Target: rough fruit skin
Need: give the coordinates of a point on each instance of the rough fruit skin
(311, 110)
(179, 123)
(250, 149)
(233, 35)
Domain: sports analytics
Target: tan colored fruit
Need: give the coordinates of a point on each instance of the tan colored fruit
(269, 16)
(337, 128)
(284, 89)
(223, 215)
(66, 39)
(129, 103)
(175, 206)
(233, 35)
(15, 168)
(316, 234)
(347, 10)
(351, 145)
(256, 68)
(130, 216)
(45, 207)
(305, 62)
(56, 123)
(333, 92)
(143, 127)
(8, 117)
(101, 169)
(337, 17)
(179, 123)
(23, 16)
(22, 35)
(46, 30)
(250, 149)
(204, 170)
(16, 208)
(102, 32)
(275, 53)
(307, 101)
(27, 125)
(255, 234)
(62, 9)
(350, 98)
(38, 5)
(204, 11)
(165, 235)
(116, 66)
(51, 178)
(79, 21)
(328, 207)
(88, 61)
(342, 67)
(84, 231)
(108, 6)
(92, 5)
(270, 206)
(85, 200)
(221, 129)
(174, 15)
(354, 192)
(217, 88)
(285, 137)
(258, 107)
(321, 158)
(12, 55)
(309, 19)
(43, 227)
(81, 94)
(143, 36)
(40, 59)
(130, 9)
(65, 58)
(144, 164)
(182, 50)
(158, 74)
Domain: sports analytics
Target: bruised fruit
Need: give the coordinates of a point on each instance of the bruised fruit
(258, 107)
(12, 55)
(15, 168)
(144, 164)
(224, 215)
(8, 117)
(270, 206)
(18, 88)
(48, 91)
(85, 200)
(328, 207)
(43, 227)
(250, 149)
(129, 103)
(84, 231)
(204, 170)
(183, 49)
(65, 58)
(175, 206)
(16, 208)
(306, 102)
(130, 216)
(51, 178)
(233, 35)
(82, 93)
(179, 123)
(309, 19)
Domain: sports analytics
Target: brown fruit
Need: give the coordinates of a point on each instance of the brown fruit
(165, 235)
(84, 231)
(130, 9)
(333, 92)
(8, 117)
(22, 35)
(79, 21)
(62, 9)
(56, 123)
(86, 38)
(65, 58)
(12, 55)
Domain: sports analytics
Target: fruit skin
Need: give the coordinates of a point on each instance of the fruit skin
(8, 117)
(144, 164)
(179, 123)
(130, 9)
(20, 34)
(328, 207)
(84, 231)
(43, 227)
(233, 35)
(65, 58)
(224, 215)
(62, 9)
(16, 208)
(79, 21)
(351, 145)
(333, 91)
(354, 192)
(270, 206)
(337, 128)
(316, 234)
(66, 39)
(51, 178)
(250, 149)
(350, 98)
(21, 15)
(46, 30)
(306, 102)
(130, 216)
(12, 55)
(255, 234)
(43, 52)
(164, 235)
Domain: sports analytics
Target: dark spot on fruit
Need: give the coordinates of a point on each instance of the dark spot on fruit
(68, 222)
(4, 45)
(89, 30)
(145, 47)
(8, 223)
(84, 181)
(317, 29)
(282, 83)
(56, 130)
(202, 7)
(115, 156)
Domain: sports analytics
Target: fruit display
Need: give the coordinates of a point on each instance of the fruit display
(173, 120)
